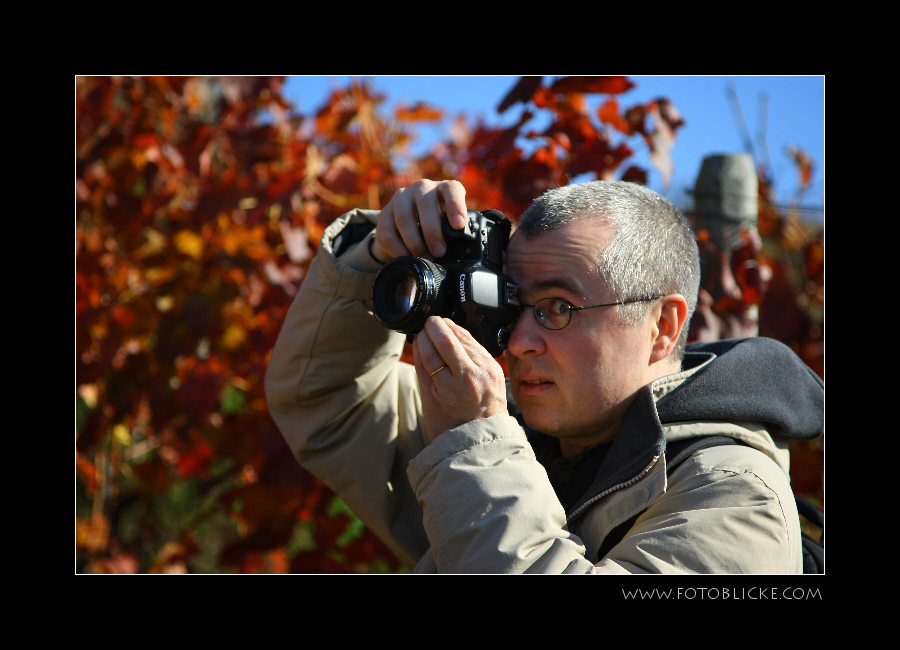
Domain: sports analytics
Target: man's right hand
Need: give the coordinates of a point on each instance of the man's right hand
(410, 224)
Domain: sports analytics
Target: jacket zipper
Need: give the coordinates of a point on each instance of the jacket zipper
(613, 489)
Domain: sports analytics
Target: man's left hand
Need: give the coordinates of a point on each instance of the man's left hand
(470, 387)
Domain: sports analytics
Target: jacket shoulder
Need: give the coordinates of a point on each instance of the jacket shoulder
(726, 509)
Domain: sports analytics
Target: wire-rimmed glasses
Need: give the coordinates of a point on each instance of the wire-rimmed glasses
(556, 313)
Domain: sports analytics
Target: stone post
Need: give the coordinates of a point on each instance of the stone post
(725, 203)
(726, 199)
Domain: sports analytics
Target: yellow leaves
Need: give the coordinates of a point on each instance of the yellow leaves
(170, 559)
(240, 318)
(238, 238)
(155, 244)
(233, 337)
(232, 236)
(122, 435)
(164, 304)
(89, 393)
(189, 243)
(92, 534)
(159, 275)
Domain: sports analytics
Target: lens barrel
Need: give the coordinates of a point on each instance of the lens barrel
(406, 292)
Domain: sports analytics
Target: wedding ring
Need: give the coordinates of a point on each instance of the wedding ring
(438, 370)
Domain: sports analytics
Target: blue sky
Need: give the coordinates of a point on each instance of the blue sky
(793, 115)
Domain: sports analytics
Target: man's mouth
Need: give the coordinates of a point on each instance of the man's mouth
(534, 386)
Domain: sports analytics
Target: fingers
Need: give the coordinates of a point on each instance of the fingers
(388, 244)
(443, 342)
(438, 346)
(471, 386)
(422, 373)
(428, 208)
(453, 199)
(397, 232)
(410, 224)
(471, 349)
(406, 220)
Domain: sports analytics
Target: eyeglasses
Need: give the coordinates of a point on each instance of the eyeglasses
(556, 313)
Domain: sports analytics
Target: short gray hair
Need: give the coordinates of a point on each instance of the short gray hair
(653, 250)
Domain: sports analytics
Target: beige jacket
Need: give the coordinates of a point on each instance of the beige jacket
(476, 500)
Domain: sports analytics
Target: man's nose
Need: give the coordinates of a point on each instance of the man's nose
(527, 335)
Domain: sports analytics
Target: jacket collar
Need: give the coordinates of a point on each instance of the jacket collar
(637, 446)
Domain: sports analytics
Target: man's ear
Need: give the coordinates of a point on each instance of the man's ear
(670, 320)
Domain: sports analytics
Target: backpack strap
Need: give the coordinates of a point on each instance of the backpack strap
(678, 452)
(813, 549)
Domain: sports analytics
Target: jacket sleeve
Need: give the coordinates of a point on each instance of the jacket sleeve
(489, 508)
(347, 407)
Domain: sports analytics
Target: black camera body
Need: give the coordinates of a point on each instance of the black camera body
(467, 284)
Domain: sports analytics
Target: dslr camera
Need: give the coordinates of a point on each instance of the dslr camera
(467, 284)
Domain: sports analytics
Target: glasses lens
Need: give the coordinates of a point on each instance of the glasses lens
(552, 313)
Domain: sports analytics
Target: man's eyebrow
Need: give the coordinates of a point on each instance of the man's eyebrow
(549, 284)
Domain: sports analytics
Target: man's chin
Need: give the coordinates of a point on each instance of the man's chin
(538, 419)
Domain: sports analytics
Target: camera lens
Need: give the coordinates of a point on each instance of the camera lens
(406, 292)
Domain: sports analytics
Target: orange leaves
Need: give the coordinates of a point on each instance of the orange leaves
(87, 471)
(336, 115)
(804, 166)
(418, 112)
(523, 91)
(635, 175)
(597, 156)
(604, 85)
(340, 177)
(123, 316)
(231, 235)
(576, 145)
(751, 271)
(491, 164)
(609, 114)
(145, 141)
(235, 238)
(567, 105)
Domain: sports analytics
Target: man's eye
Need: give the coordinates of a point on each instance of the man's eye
(559, 308)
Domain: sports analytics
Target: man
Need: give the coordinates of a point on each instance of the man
(566, 472)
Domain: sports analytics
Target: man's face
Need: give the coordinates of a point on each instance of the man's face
(575, 383)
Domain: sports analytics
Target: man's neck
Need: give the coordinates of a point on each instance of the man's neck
(576, 445)
(569, 447)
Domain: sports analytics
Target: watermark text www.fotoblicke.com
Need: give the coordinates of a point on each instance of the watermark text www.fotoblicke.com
(725, 593)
